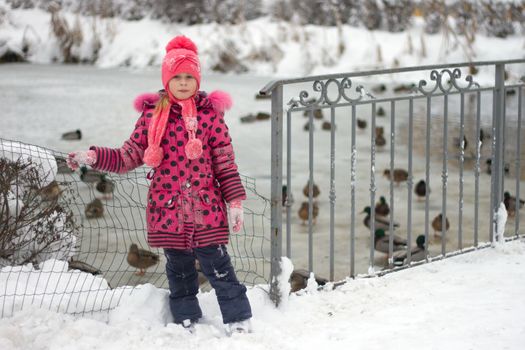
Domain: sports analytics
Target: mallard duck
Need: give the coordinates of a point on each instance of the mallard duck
(379, 88)
(327, 125)
(382, 207)
(82, 266)
(316, 191)
(72, 135)
(506, 167)
(287, 200)
(457, 142)
(510, 204)
(400, 175)
(141, 259)
(361, 123)
(303, 212)
(262, 116)
(437, 225)
(306, 126)
(62, 167)
(94, 209)
(379, 222)
(404, 88)
(51, 192)
(417, 253)
(379, 130)
(299, 280)
(105, 187)
(421, 189)
(380, 112)
(382, 242)
(90, 175)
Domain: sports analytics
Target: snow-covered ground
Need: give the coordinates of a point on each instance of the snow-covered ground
(471, 301)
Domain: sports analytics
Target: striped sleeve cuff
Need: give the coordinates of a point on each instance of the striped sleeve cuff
(108, 159)
(231, 186)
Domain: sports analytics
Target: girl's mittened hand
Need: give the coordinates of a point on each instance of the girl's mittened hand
(236, 215)
(77, 158)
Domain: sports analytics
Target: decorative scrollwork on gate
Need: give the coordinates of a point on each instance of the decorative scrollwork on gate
(446, 86)
(324, 97)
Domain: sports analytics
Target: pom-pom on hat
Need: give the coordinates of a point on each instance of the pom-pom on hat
(181, 57)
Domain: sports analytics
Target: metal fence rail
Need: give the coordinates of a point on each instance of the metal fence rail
(462, 138)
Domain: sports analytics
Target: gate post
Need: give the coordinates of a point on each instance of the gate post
(276, 191)
(498, 131)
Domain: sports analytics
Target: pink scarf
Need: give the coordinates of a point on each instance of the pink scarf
(193, 149)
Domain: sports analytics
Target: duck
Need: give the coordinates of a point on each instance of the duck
(306, 126)
(381, 112)
(421, 189)
(62, 167)
(50, 192)
(304, 210)
(286, 200)
(510, 204)
(72, 135)
(417, 253)
(361, 123)
(327, 125)
(90, 175)
(316, 191)
(141, 259)
(382, 207)
(506, 167)
(437, 225)
(379, 88)
(400, 175)
(94, 209)
(457, 142)
(299, 280)
(318, 113)
(382, 242)
(105, 187)
(380, 141)
(379, 222)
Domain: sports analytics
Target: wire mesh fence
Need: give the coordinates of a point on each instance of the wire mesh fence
(65, 236)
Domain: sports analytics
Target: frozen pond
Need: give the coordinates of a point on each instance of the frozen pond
(42, 102)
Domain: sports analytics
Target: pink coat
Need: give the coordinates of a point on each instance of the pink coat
(186, 198)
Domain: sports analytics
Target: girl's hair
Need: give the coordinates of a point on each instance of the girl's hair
(161, 104)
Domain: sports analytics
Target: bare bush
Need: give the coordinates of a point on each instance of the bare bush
(36, 223)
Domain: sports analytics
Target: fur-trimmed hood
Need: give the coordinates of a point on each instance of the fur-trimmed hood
(220, 101)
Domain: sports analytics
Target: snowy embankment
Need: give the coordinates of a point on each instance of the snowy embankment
(261, 46)
(473, 301)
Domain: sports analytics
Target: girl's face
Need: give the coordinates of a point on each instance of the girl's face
(183, 86)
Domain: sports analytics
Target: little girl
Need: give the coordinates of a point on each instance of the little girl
(182, 135)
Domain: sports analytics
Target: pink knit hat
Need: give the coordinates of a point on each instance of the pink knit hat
(181, 57)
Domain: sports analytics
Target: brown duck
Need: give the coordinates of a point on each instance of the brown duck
(141, 259)
(511, 204)
(105, 187)
(438, 227)
(361, 123)
(299, 280)
(399, 175)
(315, 190)
(303, 212)
(94, 209)
(50, 192)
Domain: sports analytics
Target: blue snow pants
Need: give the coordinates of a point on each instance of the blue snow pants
(216, 265)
